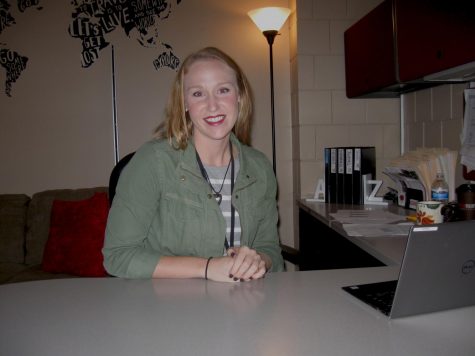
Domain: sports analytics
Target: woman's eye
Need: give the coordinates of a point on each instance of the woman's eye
(224, 90)
(197, 94)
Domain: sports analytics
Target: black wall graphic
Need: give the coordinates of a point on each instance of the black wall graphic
(92, 21)
(14, 65)
(13, 62)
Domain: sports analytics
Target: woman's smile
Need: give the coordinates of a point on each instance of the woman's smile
(215, 120)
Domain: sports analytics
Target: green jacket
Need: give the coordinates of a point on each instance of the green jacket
(163, 207)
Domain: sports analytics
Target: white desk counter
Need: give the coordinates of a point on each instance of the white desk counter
(289, 313)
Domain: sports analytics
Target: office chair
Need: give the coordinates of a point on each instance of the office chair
(115, 174)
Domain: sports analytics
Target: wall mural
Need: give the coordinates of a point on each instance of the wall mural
(13, 62)
(91, 21)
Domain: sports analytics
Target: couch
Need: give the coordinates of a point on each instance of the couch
(53, 234)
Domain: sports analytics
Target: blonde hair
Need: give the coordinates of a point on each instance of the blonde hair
(178, 128)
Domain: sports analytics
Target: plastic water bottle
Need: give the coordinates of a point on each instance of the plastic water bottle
(440, 189)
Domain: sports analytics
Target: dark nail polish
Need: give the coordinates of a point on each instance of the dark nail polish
(235, 279)
(233, 254)
(231, 276)
(250, 278)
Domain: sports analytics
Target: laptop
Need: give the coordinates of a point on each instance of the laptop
(437, 273)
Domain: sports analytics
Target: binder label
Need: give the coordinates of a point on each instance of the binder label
(349, 161)
(333, 160)
(341, 160)
(357, 159)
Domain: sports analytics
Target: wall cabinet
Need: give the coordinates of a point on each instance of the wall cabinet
(398, 44)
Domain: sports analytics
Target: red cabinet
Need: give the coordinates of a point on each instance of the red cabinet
(396, 45)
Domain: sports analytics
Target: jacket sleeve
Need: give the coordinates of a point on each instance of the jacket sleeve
(267, 238)
(126, 251)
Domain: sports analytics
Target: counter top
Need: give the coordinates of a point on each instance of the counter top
(287, 313)
(387, 249)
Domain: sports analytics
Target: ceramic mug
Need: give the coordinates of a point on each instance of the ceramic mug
(429, 212)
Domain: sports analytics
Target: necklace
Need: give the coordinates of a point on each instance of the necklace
(217, 193)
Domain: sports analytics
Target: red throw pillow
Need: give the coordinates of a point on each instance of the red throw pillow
(76, 237)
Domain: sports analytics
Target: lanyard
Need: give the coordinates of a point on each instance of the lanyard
(227, 244)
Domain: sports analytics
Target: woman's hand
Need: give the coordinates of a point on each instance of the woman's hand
(219, 269)
(241, 264)
(247, 264)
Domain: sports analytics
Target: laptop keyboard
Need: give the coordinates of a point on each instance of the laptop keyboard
(378, 295)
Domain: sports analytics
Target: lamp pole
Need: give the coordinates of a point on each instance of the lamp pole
(114, 112)
(270, 36)
(270, 20)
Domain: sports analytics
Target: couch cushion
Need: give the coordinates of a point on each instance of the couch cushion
(13, 208)
(76, 237)
(38, 221)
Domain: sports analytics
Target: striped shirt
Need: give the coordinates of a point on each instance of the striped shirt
(216, 175)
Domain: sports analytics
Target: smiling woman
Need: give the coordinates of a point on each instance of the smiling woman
(197, 202)
(211, 101)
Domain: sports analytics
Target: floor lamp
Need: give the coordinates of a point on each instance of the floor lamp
(270, 20)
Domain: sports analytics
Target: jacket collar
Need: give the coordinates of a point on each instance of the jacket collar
(189, 163)
(189, 155)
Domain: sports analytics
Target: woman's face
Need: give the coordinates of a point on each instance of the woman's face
(211, 99)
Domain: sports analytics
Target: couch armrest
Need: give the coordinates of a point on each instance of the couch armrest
(13, 210)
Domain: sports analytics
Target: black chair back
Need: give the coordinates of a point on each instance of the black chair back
(115, 174)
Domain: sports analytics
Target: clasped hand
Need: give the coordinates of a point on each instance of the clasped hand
(240, 264)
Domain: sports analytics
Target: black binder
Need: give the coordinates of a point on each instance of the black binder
(364, 162)
(344, 171)
(348, 178)
(333, 175)
(327, 157)
(340, 175)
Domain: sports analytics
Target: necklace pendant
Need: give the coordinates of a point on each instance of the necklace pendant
(218, 198)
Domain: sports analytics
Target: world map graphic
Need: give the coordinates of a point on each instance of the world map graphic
(91, 22)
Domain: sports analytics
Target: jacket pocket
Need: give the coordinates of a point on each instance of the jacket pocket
(253, 215)
(183, 220)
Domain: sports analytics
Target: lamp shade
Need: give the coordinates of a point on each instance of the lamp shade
(269, 18)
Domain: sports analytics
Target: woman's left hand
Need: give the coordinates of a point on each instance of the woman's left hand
(248, 263)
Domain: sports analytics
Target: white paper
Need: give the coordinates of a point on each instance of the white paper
(366, 217)
(377, 230)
